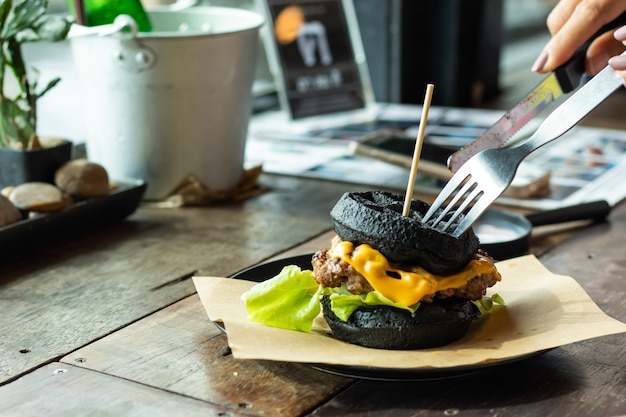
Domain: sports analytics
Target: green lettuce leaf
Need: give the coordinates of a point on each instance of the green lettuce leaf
(290, 300)
(485, 304)
(343, 303)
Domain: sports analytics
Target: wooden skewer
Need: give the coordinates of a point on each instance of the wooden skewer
(418, 150)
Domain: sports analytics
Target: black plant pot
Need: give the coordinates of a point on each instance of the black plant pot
(19, 166)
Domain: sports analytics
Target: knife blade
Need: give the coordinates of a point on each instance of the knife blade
(562, 80)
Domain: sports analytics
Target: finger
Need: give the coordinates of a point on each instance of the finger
(620, 34)
(618, 63)
(560, 14)
(599, 52)
(587, 17)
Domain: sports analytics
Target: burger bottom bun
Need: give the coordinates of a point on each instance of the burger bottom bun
(385, 327)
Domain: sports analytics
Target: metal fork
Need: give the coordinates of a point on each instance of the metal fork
(486, 175)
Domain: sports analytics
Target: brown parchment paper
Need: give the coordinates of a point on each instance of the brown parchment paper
(543, 310)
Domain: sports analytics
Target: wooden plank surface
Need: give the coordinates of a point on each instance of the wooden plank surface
(64, 296)
(563, 382)
(546, 384)
(179, 350)
(107, 296)
(597, 259)
(63, 390)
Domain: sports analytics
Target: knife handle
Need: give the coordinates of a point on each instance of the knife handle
(595, 210)
(571, 73)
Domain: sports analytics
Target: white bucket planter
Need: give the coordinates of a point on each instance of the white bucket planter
(174, 102)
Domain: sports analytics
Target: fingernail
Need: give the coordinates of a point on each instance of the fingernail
(540, 62)
(620, 34)
(618, 63)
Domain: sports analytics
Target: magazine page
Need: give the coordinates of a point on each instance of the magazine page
(585, 164)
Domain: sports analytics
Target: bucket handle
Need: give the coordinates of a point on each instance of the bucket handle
(132, 55)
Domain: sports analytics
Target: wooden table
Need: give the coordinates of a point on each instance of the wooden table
(109, 324)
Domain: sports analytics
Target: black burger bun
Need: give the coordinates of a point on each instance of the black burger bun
(375, 218)
(385, 327)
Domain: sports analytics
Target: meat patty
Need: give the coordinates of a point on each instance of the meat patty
(333, 272)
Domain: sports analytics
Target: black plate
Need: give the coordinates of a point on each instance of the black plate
(268, 270)
(503, 234)
(80, 216)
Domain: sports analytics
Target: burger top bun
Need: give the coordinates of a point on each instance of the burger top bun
(82, 178)
(375, 218)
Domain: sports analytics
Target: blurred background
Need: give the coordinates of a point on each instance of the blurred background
(477, 52)
(469, 44)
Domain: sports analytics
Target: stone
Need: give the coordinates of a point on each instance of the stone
(82, 178)
(8, 212)
(38, 196)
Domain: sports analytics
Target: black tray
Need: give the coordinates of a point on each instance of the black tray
(82, 215)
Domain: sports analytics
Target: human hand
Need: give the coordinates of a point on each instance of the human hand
(572, 23)
(618, 63)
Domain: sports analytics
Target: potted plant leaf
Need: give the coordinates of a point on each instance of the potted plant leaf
(23, 158)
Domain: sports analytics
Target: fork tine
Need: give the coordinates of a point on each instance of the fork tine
(470, 191)
(480, 205)
(475, 195)
(455, 182)
(455, 195)
(451, 209)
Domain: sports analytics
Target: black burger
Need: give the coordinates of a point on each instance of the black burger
(387, 281)
(410, 263)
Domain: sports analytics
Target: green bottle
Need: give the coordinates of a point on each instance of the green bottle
(104, 12)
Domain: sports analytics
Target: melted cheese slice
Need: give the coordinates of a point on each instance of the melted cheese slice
(411, 286)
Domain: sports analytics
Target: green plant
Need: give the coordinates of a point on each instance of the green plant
(20, 22)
